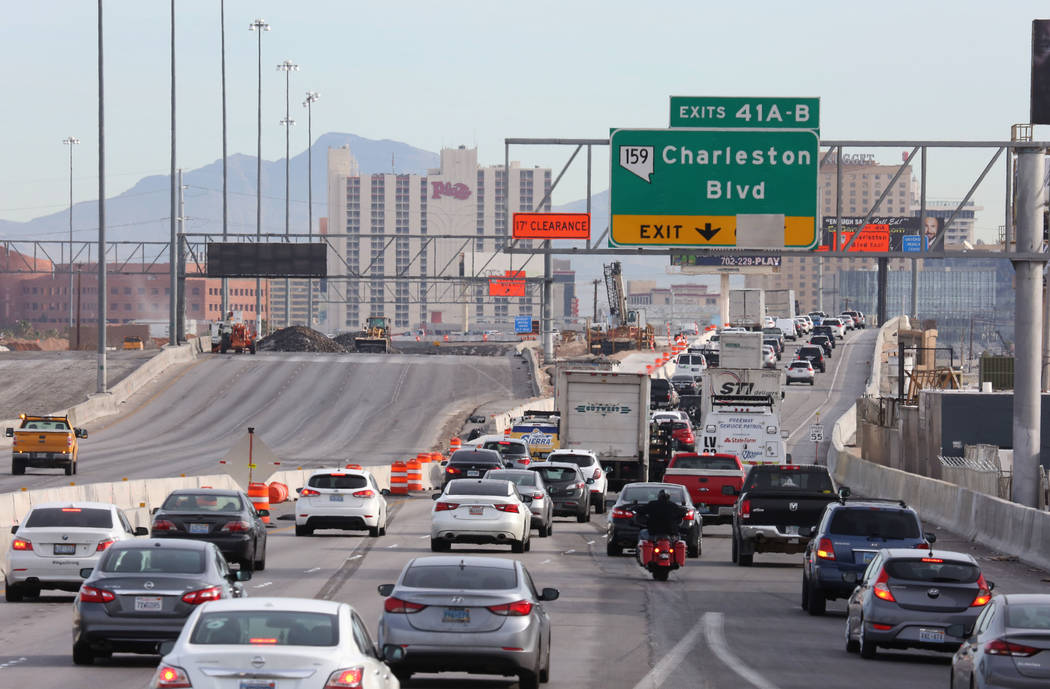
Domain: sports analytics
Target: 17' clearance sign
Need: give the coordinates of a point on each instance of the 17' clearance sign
(552, 226)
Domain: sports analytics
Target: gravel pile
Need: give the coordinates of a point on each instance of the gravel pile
(346, 341)
(299, 339)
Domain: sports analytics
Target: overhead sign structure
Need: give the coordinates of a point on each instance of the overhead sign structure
(745, 113)
(552, 226)
(748, 189)
(506, 287)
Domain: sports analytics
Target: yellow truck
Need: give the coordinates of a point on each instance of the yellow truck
(133, 342)
(44, 442)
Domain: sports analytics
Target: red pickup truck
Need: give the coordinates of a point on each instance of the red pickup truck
(713, 482)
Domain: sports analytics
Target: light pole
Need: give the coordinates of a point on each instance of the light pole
(311, 97)
(71, 141)
(259, 26)
(225, 297)
(101, 379)
(287, 67)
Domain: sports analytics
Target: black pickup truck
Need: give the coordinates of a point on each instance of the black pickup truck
(777, 505)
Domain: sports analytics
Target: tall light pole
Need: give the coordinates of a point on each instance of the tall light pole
(174, 336)
(259, 26)
(101, 381)
(225, 298)
(287, 67)
(311, 97)
(71, 141)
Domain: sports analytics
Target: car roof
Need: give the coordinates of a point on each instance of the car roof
(461, 560)
(871, 504)
(573, 451)
(556, 465)
(495, 474)
(1025, 598)
(205, 491)
(184, 543)
(274, 603)
(655, 484)
(75, 503)
(474, 453)
(337, 470)
(913, 553)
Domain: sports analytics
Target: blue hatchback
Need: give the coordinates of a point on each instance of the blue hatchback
(849, 535)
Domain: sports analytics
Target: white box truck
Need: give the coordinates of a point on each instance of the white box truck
(747, 308)
(741, 413)
(780, 303)
(607, 413)
(740, 350)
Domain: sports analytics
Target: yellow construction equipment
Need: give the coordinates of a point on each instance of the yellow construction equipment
(375, 337)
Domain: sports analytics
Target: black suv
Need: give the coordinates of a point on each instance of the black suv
(472, 464)
(827, 331)
(661, 394)
(814, 354)
(847, 538)
(824, 342)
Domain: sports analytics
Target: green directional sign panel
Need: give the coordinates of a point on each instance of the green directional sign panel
(745, 113)
(754, 189)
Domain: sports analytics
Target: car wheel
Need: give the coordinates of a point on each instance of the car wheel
(545, 671)
(693, 550)
(852, 645)
(736, 550)
(661, 574)
(599, 507)
(373, 532)
(817, 602)
(811, 382)
(303, 530)
(805, 592)
(260, 564)
(517, 546)
(402, 676)
(739, 557)
(82, 655)
(867, 648)
(613, 549)
(585, 516)
(246, 564)
(18, 467)
(12, 593)
(527, 679)
(439, 545)
(550, 527)
(69, 469)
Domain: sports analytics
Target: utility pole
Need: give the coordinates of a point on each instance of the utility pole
(287, 67)
(173, 247)
(180, 303)
(102, 301)
(594, 314)
(225, 299)
(71, 141)
(311, 98)
(258, 26)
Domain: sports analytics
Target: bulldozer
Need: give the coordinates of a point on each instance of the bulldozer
(375, 337)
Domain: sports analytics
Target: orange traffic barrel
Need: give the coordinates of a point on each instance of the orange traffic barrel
(414, 475)
(423, 458)
(399, 478)
(436, 456)
(278, 492)
(259, 494)
(354, 466)
(506, 431)
(454, 444)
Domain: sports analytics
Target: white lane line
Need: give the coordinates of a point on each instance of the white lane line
(663, 669)
(838, 369)
(354, 557)
(545, 561)
(423, 537)
(570, 550)
(264, 584)
(714, 628)
(311, 570)
(392, 546)
(590, 542)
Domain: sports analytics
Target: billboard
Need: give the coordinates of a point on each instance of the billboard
(1040, 91)
(267, 260)
(726, 261)
(882, 233)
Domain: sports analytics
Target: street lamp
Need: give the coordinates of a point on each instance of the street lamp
(311, 98)
(71, 141)
(258, 25)
(287, 67)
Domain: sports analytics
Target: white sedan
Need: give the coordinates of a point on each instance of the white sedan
(268, 642)
(481, 510)
(800, 371)
(348, 499)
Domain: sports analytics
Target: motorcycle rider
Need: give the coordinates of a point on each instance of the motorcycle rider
(663, 517)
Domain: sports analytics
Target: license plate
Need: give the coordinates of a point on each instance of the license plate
(476, 511)
(65, 549)
(457, 615)
(473, 472)
(199, 528)
(335, 498)
(257, 684)
(933, 636)
(793, 530)
(148, 604)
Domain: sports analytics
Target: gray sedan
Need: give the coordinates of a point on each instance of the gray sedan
(531, 483)
(480, 615)
(912, 598)
(142, 592)
(1009, 647)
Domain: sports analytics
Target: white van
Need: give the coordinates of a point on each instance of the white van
(789, 327)
(692, 363)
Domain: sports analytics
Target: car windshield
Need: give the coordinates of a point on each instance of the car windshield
(337, 481)
(84, 517)
(460, 577)
(518, 478)
(685, 380)
(641, 494)
(474, 487)
(556, 474)
(1028, 616)
(505, 447)
(702, 462)
(874, 523)
(152, 560)
(266, 628)
(933, 569)
(201, 502)
(790, 479)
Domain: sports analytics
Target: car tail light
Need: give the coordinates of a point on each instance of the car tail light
(825, 549)
(90, 594)
(237, 526)
(102, 545)
(366, 493)
(580, 486)
(453, 470)
(745, 509)
(689, 515)
(597, 474)
(21, 544)
(347, 678)
(202, 595)
(445, 506)
(263, 640)
(70, 509)
(1002, 647)
(397, 605)
(517, 609)
(309, 493)
(881, 627)
(525, 461)
(538, 496)
(984, 594)
(881, 588)
(163, 525)
(170, 677)
(506, 508)
(621, 513)
(921, 545)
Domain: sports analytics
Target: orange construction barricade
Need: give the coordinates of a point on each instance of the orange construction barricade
(415, 475)
(259, 494)
(278, 493)
(399, 478)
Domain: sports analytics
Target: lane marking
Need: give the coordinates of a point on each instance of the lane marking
(354, 557)
(570, 550)
(311, 570)
(838, 369)
(264, 584)
(392, 546)
(714, 630)
(545, 561)
(657, 677)
(590, 542)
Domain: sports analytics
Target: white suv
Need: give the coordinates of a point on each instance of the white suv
(348, 499)
(58, 539)
(836, 325)
(591, 468)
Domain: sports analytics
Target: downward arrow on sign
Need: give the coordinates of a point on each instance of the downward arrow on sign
(707, 232)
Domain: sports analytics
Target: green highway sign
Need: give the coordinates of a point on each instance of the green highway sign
(745, 113)
(749, 189)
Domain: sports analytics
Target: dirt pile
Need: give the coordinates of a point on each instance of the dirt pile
(299, 339)
(47, 344)
(346, 341)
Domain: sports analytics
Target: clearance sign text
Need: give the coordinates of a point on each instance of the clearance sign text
(552, 226)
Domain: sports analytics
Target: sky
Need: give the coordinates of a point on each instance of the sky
(436, 74)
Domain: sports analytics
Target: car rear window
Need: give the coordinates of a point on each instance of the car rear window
(46, 426)
(658, 383)
(554, 474)
(518, 478)
(933, 569)
(716, 463)
(790, 479)
(1028, 616)
(578, 460)
(266, 628)
(642, 494)
(337, 481)
(505, 447)
(201, 502)
(468, 487)
(801, 364)
(878, 523)
(84, 517)
(809, 351)
(475, 458)
(460, 577)
(154, 560)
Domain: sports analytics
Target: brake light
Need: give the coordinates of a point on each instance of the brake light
(347, 678)
(309, 493)
(1001, 647)
(163, 525)
(881, 627)
(262, 640)
(825, 549)
(506, 508)
(70, 509)
(445, 506)
(620, 513)
(102, 545)
(236, 527)
(170, 677)
(881, 588)
(984, 594)
(397, 605)
(21, 544)
(921, 545)
(516, 609)
(689, 514)
(366, 493)
(90, 594)
(745, 509)
(538, 496)
(202, 595)
(524, 461)
(932, 559)
(452, 470)
(597, 474)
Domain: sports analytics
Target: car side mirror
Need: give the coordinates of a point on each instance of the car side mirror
(393, 653)
(384, 491)
(844, 492)
(549, 594)
(607, 470)
(931, 538)
(299, 489)
(263, 513)
(991, 585)
(729, 490)
(166, 647)
(242, 575)
(807, 531)
(83, 433)
(590, 481)
(526, 498)
(14, 528)
(141, 531)
(85, 572)
(435, 496)
(9, 432)
(956, 630)
(385, 589)
(154, 510)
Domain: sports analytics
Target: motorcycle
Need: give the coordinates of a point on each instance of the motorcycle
(661, 554)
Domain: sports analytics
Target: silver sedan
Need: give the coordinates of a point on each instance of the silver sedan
(1009, 647)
